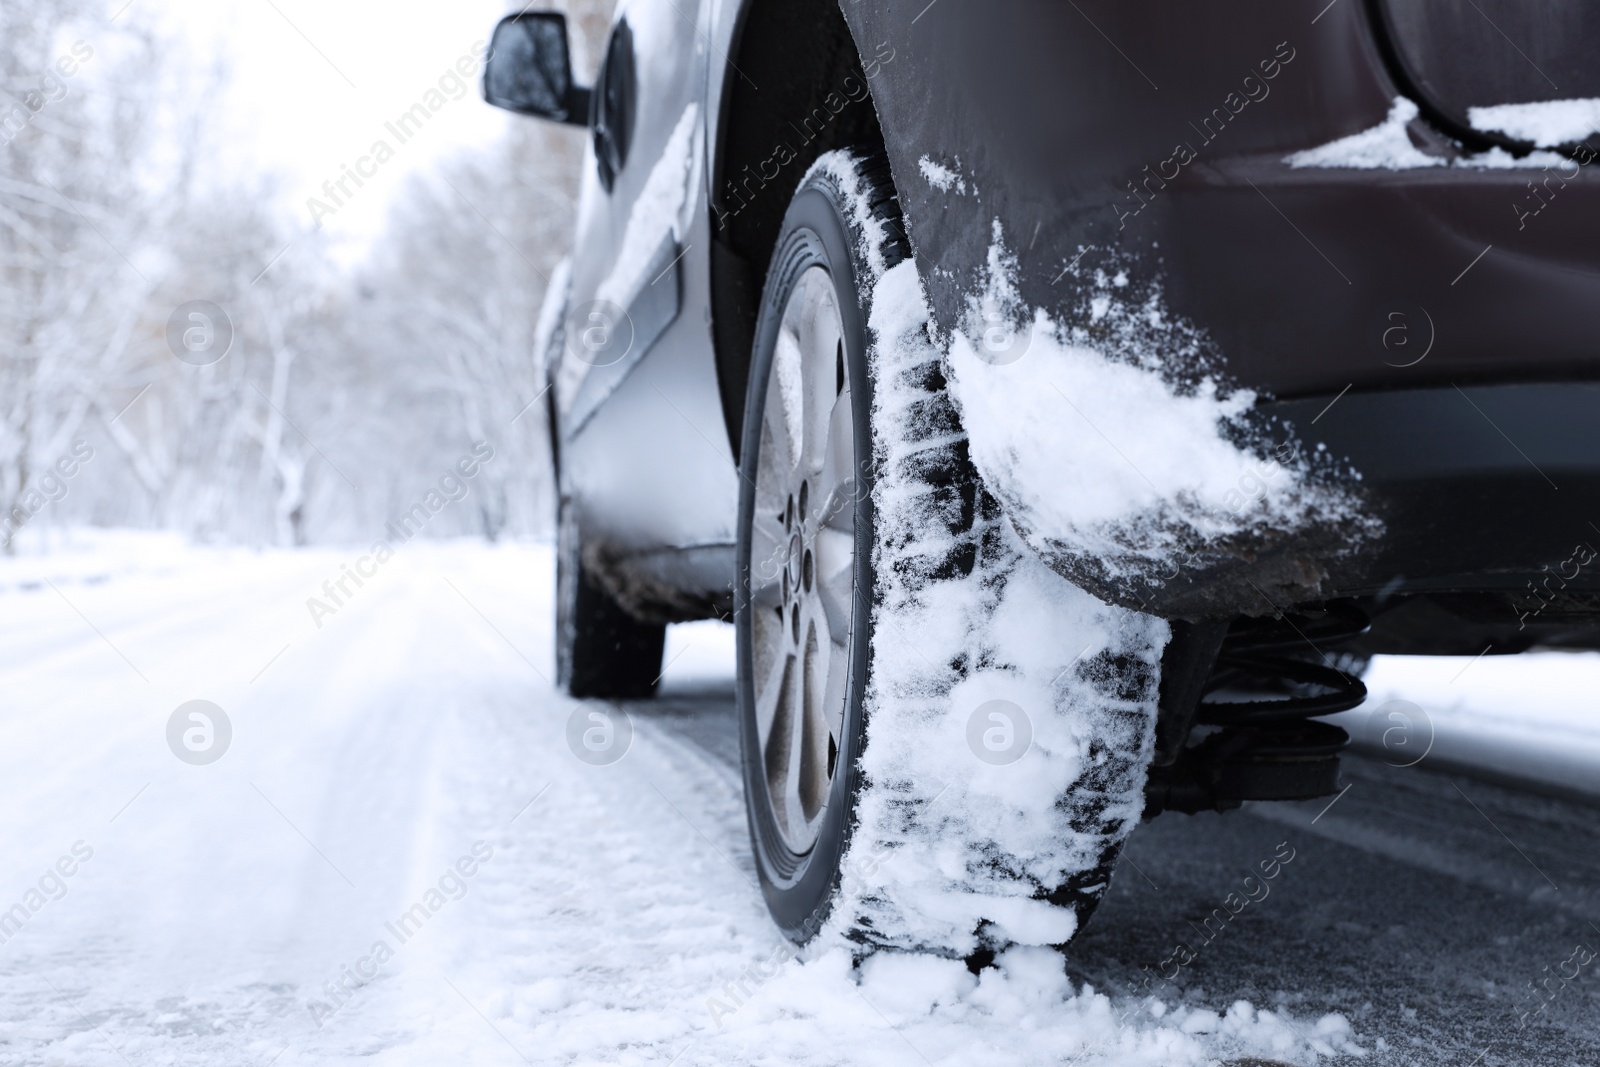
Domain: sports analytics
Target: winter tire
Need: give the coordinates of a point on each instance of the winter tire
(889, 627)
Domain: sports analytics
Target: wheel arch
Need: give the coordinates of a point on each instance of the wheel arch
(813, 96)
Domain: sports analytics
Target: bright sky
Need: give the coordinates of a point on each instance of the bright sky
(314, 81)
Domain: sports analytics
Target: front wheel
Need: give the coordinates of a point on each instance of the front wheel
(803, 604)
(944, 743)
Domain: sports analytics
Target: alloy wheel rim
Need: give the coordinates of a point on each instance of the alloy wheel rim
(802, 571)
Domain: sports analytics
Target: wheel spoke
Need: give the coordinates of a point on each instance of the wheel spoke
(785, 410)
(836, 497)
(794, 749)
(812, 784)
(772, 670)
(769, 547)
(834, 555)
(818, 333)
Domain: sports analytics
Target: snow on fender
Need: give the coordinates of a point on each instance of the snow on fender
(1126, 461)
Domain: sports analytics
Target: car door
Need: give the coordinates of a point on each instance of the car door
(645, 460)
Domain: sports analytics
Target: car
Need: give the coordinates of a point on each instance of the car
(1063, 401)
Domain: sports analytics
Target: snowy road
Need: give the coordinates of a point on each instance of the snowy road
(399, 859)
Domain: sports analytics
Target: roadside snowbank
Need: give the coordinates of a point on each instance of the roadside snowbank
(1532, 717)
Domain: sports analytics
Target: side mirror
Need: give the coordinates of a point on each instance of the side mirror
(529, 69)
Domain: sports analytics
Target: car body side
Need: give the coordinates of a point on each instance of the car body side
(1067, 125)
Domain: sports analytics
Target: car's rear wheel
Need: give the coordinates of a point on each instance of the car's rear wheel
(878, 597)
(602, 652)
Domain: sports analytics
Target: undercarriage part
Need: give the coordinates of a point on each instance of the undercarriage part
(1510, 619)
(1186, 666)
(1299, 761)
(664, 585)
(1247, 736)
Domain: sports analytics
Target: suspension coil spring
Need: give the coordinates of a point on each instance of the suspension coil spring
(1255, 740)
(1274, 662)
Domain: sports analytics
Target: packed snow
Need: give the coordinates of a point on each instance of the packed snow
(305, 899)
(1388, 145)
(941, 177)
(1385, 146)
(1113, 435)
(1545, 123)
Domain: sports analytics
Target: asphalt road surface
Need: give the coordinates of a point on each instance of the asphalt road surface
(1447, 917)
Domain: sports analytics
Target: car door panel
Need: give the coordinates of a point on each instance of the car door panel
(645, 462)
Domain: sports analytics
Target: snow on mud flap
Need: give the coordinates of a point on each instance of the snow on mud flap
(993, 758)
(1128, 460)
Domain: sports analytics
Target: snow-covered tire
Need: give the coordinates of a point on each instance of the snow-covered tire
(994, 723)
